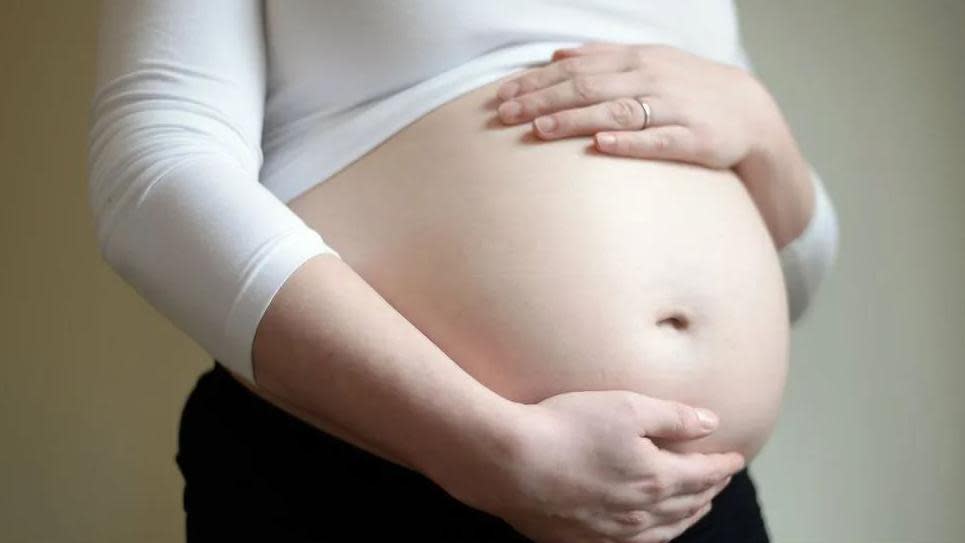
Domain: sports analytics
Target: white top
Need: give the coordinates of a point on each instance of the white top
(210, 116)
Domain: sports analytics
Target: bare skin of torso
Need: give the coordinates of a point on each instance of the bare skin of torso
(547, 267)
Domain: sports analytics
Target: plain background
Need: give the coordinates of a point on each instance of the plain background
(872, 434)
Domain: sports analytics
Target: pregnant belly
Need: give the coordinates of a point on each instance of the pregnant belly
(547, 267)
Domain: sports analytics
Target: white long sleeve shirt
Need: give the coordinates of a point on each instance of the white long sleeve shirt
(208, 117)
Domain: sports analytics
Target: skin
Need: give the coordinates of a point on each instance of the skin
(502, 456)
(702, 112)
(422, 411)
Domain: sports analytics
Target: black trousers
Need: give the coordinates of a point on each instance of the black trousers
(255, 473)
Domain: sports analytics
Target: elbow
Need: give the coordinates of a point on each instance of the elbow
(133, 148)
(827, 238)
(153, 119)
(808, 261)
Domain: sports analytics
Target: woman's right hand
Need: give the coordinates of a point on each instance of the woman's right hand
(584, 470)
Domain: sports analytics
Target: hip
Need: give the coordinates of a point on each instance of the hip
(251, 471)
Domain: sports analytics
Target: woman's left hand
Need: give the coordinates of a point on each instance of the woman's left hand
(702, 111)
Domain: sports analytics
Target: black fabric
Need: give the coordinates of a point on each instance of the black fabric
(254, 472)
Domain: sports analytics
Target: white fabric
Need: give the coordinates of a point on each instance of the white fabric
(209, 116)
(807, 260)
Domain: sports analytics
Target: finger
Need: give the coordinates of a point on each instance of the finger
(589, 48)
(579, 91)
(667, 532)
(505, 81)
(620, 114)
(670, 142)
(556, 72)
(669, 419)
(628, 521)
(684, 505)
(690, 473)
(562, 70)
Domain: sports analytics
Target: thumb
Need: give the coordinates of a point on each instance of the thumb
(668, 419)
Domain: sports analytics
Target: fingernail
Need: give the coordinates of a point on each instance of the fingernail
(707, 419)
(509, 90)
(546, 124)
(606, 139)
(510, 109)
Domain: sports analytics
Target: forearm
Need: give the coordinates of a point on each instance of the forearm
(334, 352)
(779, 181)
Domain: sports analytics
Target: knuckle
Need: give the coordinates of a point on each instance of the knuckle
(586, 87)
(657, 486)
(712, 484)
(535, 105)
(571, 66)
(664, 142)
(632, 518)
(623, 111)
(665, 510)
(711, 479)
(683, 416)
(627, 403)
(525, 85)
(651, 81)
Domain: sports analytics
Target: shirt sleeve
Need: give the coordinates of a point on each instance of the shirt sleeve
(173, 168)
(807, 260)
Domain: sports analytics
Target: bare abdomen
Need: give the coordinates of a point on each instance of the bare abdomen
(545, 267)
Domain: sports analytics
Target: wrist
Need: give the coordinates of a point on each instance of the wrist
(473, 459)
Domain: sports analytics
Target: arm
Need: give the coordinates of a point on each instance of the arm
(799, 214)
(371, 378)
(181, 216)
(795, 205)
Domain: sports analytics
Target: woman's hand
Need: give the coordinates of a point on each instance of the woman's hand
(586, 471)
(702, 112)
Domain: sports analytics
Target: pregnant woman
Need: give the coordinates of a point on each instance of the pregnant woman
(433, 317)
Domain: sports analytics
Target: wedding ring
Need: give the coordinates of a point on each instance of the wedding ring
(646, 112)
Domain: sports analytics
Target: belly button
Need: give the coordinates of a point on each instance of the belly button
(676, 319)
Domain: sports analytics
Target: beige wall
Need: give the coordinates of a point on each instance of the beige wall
(92, 378)
(871, 442)
(872, 433)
